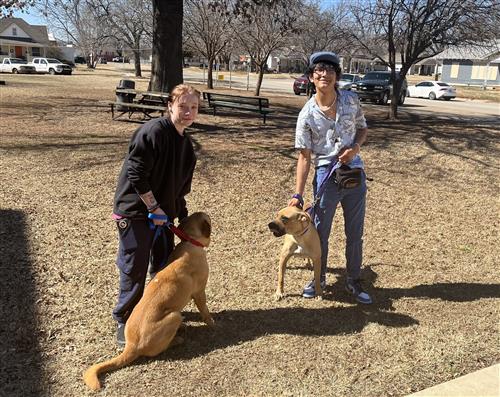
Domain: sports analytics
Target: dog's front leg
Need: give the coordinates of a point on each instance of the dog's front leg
(285, 255)
(200, 300)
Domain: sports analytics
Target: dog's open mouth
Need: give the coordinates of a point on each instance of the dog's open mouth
(276, 229)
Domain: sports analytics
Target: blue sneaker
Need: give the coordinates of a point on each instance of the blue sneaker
(354, 287)
(309, 291)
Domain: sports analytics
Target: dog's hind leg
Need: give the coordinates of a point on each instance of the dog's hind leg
(162, 335)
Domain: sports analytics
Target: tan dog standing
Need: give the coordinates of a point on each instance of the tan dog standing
(153, 324)
(301, 239)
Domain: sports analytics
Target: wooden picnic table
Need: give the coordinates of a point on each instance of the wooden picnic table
(144, 102)
(146, 97)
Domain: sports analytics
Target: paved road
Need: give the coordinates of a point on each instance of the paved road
(283, 85)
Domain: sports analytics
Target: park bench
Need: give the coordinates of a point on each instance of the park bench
(244, 103)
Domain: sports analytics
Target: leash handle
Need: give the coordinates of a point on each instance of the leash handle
(158, 217)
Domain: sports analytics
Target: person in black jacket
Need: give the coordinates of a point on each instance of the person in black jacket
(155, 177)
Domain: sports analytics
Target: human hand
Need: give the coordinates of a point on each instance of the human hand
(296, 201)
(159, 222)
(348, 153)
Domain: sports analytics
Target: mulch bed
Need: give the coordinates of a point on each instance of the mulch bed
(430, 253)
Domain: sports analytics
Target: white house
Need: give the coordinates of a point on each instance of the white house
(22, 40)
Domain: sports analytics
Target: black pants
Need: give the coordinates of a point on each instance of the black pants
(138, 251)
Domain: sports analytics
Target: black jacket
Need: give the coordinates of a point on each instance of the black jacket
(160, 160)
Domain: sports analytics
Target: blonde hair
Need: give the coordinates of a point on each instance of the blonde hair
(182, 89)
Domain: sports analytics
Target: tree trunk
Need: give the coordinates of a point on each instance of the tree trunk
(166, 65)
(259, 79)
(137, 62)
(396, 92)
(210, 74)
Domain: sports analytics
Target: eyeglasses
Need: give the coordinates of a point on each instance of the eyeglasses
(328, 69)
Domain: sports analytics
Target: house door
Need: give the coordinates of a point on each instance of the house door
(19, 51)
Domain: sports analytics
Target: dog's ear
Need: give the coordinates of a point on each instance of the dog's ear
(307, 206)
(206, 229)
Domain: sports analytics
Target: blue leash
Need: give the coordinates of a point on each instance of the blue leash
(159, 231)
(334, 164)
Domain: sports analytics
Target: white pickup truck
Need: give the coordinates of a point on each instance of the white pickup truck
(16, 65)
(50, 65)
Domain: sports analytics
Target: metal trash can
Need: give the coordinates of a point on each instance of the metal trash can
(123, 97)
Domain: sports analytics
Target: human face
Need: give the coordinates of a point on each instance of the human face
(183, 111)
(324, 76)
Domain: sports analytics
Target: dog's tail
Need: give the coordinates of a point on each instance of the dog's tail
(91, 375)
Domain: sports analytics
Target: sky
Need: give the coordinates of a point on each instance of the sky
(32, 18)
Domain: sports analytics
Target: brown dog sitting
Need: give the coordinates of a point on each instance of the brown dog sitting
(153, 323)
(301, 239)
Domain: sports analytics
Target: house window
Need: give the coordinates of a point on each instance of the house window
(454, 70)
(14, 31)
(35, 51)
(492, 72)
(478, 72)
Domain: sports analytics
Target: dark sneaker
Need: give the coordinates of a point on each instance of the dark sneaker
(120, 335)
(354, 287)
(309, 291)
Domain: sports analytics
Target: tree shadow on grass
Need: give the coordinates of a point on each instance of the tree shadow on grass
(20, 356)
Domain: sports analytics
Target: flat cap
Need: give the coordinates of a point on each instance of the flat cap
(324, 56)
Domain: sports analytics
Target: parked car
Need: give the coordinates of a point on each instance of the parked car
(347, 79)
(300, 84)
(50, 65)
(16, 65)
(432, 90)
(120, 59)
(377, 87)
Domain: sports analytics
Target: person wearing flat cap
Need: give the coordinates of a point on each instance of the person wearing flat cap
(330, 133)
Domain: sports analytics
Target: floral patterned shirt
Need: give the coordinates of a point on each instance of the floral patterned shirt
(326, 136)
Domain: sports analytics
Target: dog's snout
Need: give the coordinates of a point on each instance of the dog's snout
(276, 229)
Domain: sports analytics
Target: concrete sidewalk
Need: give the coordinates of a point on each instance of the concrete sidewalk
(482, 383)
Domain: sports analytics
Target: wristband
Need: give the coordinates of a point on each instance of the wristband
(298, 197)
(153, 207)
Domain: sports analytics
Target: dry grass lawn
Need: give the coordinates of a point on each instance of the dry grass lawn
(430, 253)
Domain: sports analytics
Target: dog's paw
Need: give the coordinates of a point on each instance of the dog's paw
(319, 297)
(176, 341)
(278, 295)
(210, 322)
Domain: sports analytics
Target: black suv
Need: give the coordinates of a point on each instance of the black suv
(377, 86)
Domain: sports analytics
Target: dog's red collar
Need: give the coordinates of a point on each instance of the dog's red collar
(168, 223)
(183, 236)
